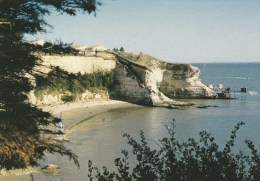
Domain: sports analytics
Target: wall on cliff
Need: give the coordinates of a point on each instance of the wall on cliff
(75, 64)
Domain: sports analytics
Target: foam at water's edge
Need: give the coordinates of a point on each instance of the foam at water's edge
(243, 78)
(252, 93)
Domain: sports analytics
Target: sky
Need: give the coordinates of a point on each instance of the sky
(186, 31)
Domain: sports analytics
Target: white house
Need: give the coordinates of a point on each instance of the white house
(89, 49)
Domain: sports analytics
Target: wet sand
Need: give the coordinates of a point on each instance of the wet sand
(90, 114)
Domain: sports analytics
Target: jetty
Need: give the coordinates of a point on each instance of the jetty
(228, 93)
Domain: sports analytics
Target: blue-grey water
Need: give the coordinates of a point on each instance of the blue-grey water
(99, 136)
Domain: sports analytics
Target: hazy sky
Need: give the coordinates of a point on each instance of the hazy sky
(172, 30)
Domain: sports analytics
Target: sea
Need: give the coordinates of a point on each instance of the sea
(98, 134)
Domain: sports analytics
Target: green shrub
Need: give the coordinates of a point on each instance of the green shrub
(183, 161)
(76, 87)
(60, 81)
(68, 98)
(179, 67)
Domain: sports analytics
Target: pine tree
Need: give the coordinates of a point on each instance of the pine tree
(22, 125)
(121, 49)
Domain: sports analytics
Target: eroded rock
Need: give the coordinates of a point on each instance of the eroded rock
(51, 169)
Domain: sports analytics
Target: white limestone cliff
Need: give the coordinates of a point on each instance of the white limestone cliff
(142, 79)
(160, 82)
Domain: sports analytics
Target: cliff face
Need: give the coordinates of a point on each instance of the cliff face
(141, 78)
(182, 81)
(158, 83)
(75, 64)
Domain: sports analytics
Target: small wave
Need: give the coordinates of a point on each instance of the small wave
(253, 93)
(243, 78)
(239, 77)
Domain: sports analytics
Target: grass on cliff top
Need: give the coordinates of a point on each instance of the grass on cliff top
(141, 59)
(146, 60)
(106, 55)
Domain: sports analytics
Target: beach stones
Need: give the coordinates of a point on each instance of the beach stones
(51, 169)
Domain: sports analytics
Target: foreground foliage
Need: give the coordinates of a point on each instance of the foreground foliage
(183, 161)
(21, 124)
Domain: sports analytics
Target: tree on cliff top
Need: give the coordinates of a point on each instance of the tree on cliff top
(21, 123)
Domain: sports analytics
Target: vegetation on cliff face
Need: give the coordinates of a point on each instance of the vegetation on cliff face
(59, 81)
(180, 69)
(141, 59)
(21, 123)
(170, 160)
(149, 61)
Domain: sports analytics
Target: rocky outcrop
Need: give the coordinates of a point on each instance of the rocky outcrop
(150, 81)
(52, 169)
(182, 81)
(141, 78)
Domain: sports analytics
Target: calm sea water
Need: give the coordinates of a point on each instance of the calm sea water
(99, 135)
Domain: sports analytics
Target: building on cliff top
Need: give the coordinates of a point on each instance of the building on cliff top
(83, 49)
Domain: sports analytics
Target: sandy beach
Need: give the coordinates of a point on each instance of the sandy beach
(57, 109)
(71, 122)
(75, 114)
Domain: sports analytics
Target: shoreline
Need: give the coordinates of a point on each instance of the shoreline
(19, 171)
(56, 109)
(91, 110)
